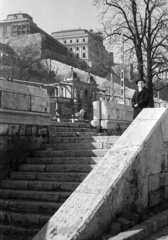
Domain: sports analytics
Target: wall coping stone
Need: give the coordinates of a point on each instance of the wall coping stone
(24, 117)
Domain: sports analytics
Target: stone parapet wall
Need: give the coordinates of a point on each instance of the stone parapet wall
(131, 176)
(112, 117)
(112, 110)
(21, 97)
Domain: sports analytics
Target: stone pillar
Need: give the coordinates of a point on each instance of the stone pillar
(96, 122)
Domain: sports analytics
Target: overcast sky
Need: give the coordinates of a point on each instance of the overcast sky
(55, 15)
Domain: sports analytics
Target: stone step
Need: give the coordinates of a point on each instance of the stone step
(45, 180)
(83, 139)
(76, 146)
(39, 207)
(56, 168)
(75, 134)
(51, 196)
(63, 160)
(55, 124)
(10, 232)
(23, 219)
(67, 177)
(38, 185)
(70, 153)
(72, 129)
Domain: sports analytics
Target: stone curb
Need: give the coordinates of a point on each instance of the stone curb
(144, 229)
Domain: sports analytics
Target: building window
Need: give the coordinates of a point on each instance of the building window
(77, 40)
(86, 93)
(61, 92)
(84, 48)
(77, 55)
(83, 39)
(65, 41)
(70, 41)
(77, 48)
(84, 55)
(75, 93)
(92, 95)
(70, 49)
(81, 93)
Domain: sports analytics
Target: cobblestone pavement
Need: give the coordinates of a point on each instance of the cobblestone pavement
(162, 234)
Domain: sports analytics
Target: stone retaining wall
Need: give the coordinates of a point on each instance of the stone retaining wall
(16, 143)
(24, 120)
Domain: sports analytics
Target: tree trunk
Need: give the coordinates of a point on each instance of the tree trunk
(150, 77)
(150, 88)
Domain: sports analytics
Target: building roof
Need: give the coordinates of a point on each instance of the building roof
(17, 16)
(96, 35)
(72, 30)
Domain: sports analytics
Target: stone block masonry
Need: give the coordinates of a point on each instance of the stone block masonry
(21, 97)
(111, 117)
(16, 142)
(24, 121)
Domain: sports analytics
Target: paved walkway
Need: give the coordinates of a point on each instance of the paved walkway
(162, 234)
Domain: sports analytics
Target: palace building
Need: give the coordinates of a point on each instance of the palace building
(84, 44)
(21, 24)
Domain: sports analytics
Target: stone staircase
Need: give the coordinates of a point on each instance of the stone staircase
(31, 195)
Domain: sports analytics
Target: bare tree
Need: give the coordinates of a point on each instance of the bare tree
(28, 66)
(144, 25)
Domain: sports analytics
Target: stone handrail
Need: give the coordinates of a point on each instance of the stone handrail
(127, 177)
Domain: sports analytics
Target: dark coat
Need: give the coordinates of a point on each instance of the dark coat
(141, 98)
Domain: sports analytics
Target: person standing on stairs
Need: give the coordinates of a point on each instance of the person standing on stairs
(140, 98)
